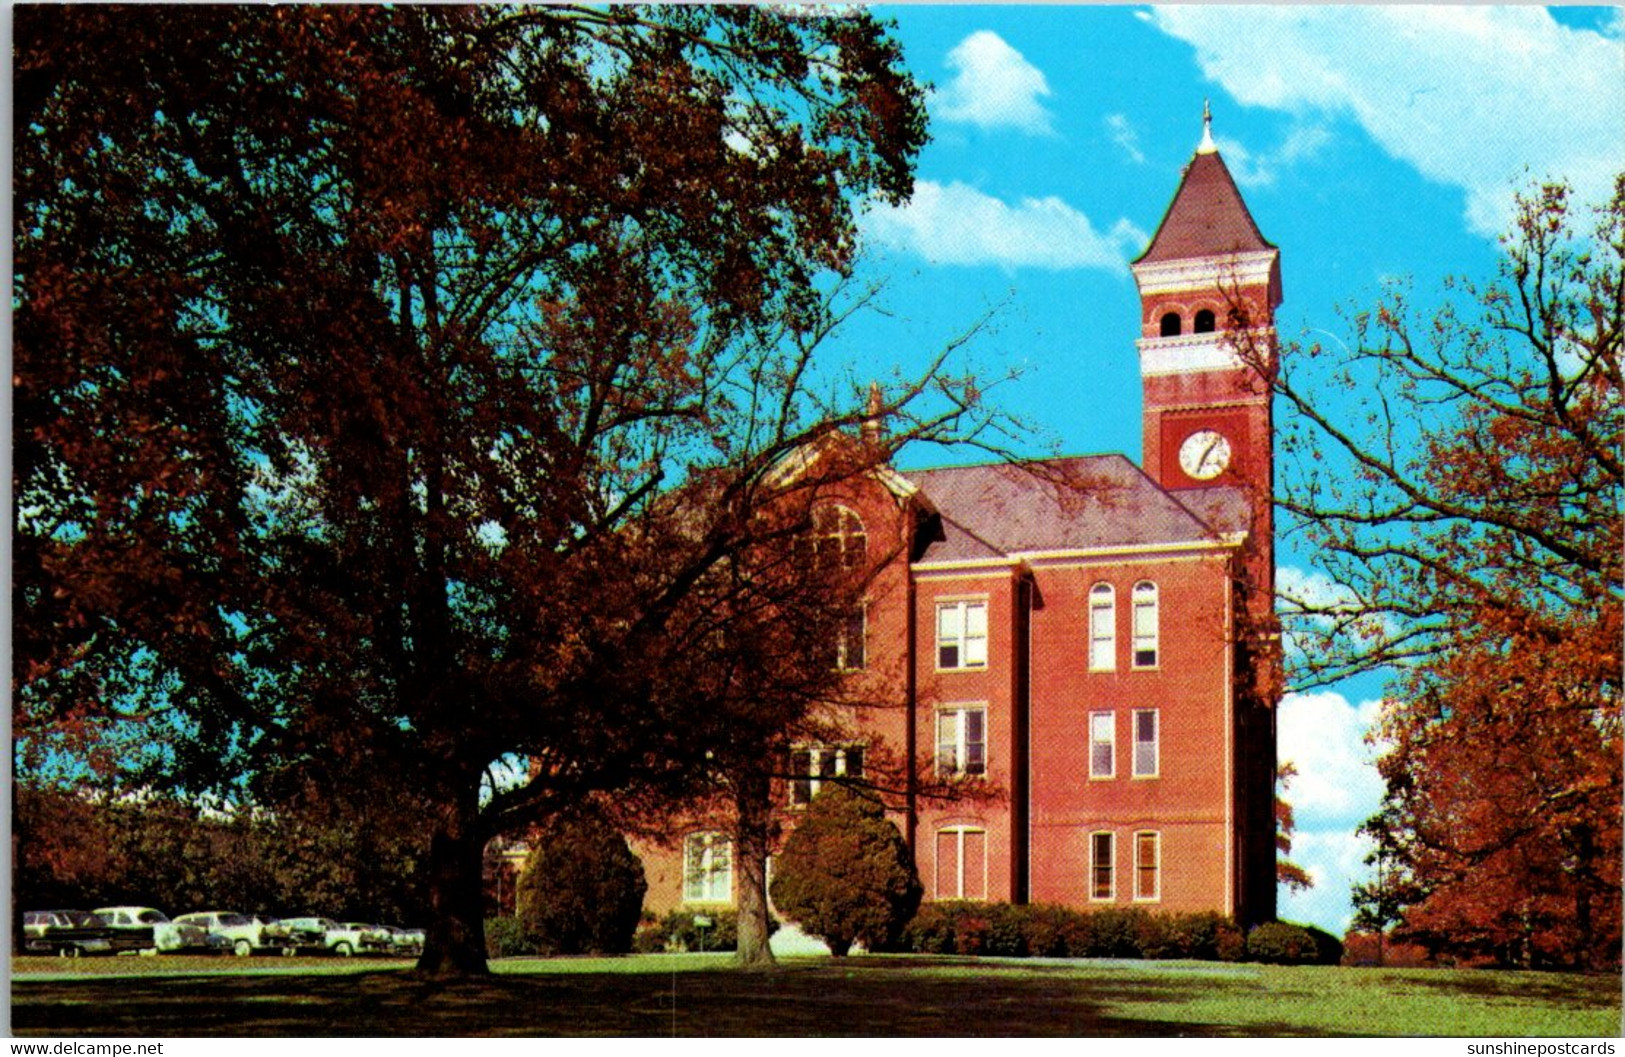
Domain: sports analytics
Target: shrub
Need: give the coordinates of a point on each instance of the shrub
(1113, 932)
(1329, 949)
(1006, 930)
(677, 931)
(582, 889)
(1279, 943)
(650, 937)
(1369, 949)
(1156, 936)
(506, 938)
(931, 931)
(1048, 931)
(1045, 929)
(1197, 935)
(845, 874)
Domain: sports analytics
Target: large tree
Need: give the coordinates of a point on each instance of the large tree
(1468, 520)
(398, 391)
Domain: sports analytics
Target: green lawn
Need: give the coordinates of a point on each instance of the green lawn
(886, 996)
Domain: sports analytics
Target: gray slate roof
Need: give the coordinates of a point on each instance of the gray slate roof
(1206, 217)
(1093, 501)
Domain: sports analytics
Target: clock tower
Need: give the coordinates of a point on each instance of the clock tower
(1209, 285)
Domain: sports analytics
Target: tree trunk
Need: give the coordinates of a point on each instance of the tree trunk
(454, 941)
(1584, 945)
(753, 799)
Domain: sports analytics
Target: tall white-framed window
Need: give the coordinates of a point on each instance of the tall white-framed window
(1102, 875)
(838, 538)
(1145, 624)
(961, 867)
(1147, 866)
(962, 740)
(1102, 745)
(1147, 735)
(708, 868)
(1102, 628)
(812, 766)
(851, 649)
(961, 635)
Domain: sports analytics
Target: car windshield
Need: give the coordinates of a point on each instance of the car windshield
(152, 917)
(83, 918)
(234, 919)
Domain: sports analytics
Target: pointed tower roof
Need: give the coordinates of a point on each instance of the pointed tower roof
(1207, 217)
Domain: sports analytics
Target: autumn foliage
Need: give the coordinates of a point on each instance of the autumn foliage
(397, 389)
(1471, 523)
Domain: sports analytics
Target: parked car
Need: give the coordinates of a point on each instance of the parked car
(369, 939)
(68, 933)
(348, 939)
(311, 927)
(242, 934)
(408, 942)
(161, 933)
(289, 935)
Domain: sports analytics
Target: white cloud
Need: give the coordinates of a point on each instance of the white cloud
(1323, 736)
(1323, 617)
(994, 87)
(956, 224)
(1336, 788)
(1125, 136)
(1259, 170)
(1335, 860)
(1471, 96)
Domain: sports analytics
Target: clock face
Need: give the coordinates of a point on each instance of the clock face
(1205, 454)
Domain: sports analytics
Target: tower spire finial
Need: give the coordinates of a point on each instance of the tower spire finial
(1207, 146)
(873, 429)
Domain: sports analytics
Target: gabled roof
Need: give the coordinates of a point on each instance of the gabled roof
(1088, 502)
(1207, 217)
(799, 462)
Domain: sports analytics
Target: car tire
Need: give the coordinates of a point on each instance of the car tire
(70, 951)
(343, 949)
(242, 948)
(289, 952)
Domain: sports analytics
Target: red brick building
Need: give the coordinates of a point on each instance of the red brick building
(1090, 640)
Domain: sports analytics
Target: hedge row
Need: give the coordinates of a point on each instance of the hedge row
(1006, 930)
(1003, 929)
(678, 932)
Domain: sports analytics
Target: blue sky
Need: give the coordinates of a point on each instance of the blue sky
(1371, 144)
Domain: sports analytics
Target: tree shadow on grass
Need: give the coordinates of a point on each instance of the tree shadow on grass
(1567, 990)
(860, 998)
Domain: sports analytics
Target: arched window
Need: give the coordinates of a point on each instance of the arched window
(1170, 325)
(838, 538)
(1204, 321)
(1102, 628)
(1145, 624)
